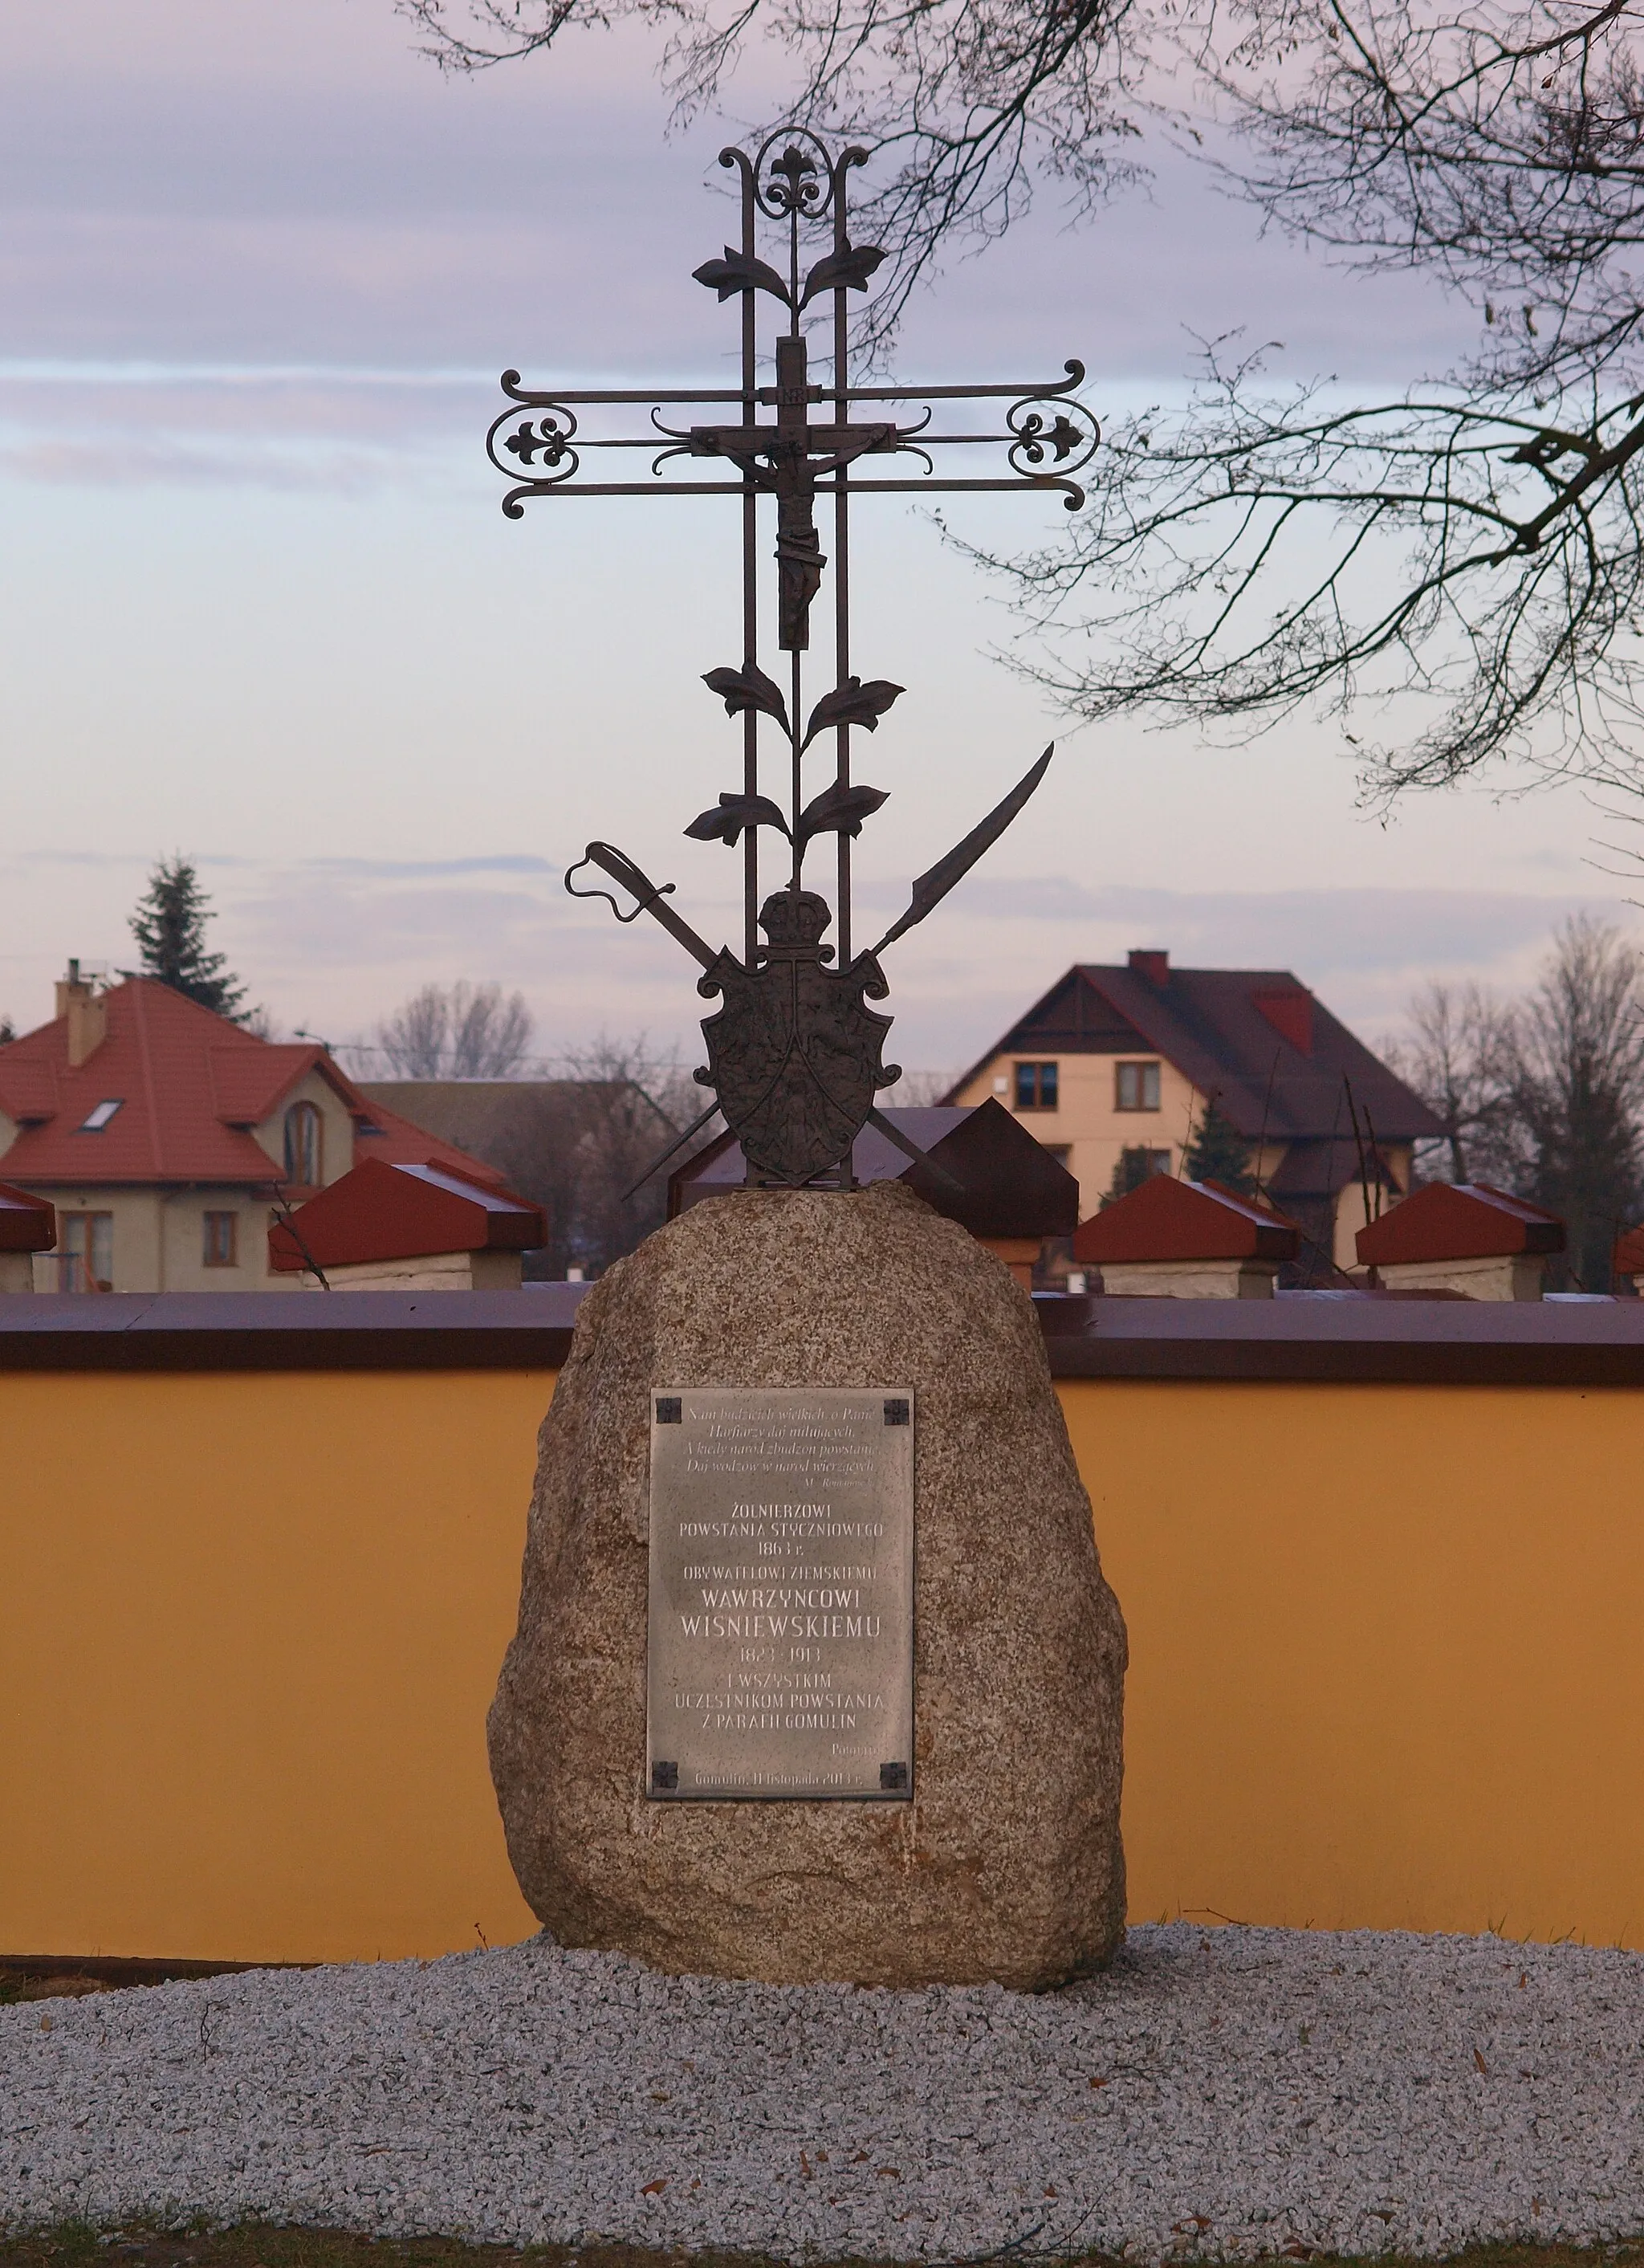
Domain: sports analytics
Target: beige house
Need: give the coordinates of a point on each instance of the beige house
(170, 1140)
(1130, 1058)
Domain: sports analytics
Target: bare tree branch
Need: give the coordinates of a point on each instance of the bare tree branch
(963, 102)
(1258, 555)
(1469, 550)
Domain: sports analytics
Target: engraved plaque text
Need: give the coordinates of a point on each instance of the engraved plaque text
(780, 1647)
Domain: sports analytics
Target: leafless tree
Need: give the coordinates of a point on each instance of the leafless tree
(962, 102)
(916, 1090)
(1580, 1091)
(1461, 1056)
(1466, 550)
(1544, 1096)
(638, 1100)
(577, 1143)
(463, 1031)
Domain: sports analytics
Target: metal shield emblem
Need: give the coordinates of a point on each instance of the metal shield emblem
(795, 1055)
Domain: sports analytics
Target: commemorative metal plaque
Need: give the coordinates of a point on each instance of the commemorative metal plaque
(779, 1651)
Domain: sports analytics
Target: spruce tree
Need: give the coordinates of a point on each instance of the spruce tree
(1131, 1169)
(169, 926)
(1218, 1152)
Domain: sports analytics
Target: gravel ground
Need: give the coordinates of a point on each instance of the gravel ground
(1218, 2093)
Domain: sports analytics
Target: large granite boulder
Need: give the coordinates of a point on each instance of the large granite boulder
(1006, 1865)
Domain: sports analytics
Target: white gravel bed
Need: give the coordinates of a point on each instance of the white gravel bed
(1224, 2092)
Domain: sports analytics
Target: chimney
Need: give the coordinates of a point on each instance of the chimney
(1288, 1008)
(1152, 963)
(87, 1012)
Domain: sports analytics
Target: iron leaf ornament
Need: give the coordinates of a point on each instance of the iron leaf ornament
(795, 1051)
(740, 271)
(748, 687)
(852, 703)
(734, 816)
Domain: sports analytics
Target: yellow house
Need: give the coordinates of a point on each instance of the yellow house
(169, 1140)
(1111, 1059)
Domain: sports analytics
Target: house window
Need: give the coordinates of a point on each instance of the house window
(305, 1147)
(1036, 1085)
(86, 1259)
(97, 1119)
(1136, 1087)
(1060, 1151)
(221, 1246)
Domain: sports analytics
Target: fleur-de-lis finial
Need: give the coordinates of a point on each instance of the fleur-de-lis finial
(799, 173)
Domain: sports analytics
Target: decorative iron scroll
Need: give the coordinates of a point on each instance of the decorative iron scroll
(795, 1054)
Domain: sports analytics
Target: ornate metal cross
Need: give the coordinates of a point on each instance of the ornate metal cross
(795, 1054)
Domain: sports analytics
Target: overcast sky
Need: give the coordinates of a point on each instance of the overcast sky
(260, 266)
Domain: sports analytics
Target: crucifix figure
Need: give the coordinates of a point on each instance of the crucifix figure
(795, 1052)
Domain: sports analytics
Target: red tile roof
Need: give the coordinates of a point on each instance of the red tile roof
(1459, 1220)
(383, 1211)
(189, 1083)
(1167, 1220)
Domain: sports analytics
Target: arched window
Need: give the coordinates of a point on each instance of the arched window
(305, 1145)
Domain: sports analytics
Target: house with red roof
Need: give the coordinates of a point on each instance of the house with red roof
(1111, 1059)
(170, 1140)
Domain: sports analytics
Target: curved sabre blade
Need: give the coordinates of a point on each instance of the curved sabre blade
(638, 883)
(933, 887)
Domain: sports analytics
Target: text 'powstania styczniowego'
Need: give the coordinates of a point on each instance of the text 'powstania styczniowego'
(780, 1644)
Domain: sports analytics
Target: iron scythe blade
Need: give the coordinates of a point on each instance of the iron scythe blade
(878, 1120)
(933, 887)
(662, 1156)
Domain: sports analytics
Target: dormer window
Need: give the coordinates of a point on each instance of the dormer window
(95, 1122)
(305, 1145)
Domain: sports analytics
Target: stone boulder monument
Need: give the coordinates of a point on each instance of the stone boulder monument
(816, 1676)
(1003, 1863)
(1003, 1860)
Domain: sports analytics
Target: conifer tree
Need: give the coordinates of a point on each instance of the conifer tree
(1131, 1169)
(1218, 1152)
(169, 926)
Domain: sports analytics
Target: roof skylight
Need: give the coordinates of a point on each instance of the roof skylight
(99, 1117)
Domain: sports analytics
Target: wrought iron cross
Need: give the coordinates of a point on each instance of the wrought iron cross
(795, 1054)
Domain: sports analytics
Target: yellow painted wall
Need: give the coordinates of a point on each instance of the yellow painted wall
(250, 1629)
(1386, 1668)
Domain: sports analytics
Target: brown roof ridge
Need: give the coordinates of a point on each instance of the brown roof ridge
(950, 1094)
(1213, 1026)
(1244, 1103)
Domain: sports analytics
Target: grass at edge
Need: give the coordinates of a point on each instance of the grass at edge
(260, 2245)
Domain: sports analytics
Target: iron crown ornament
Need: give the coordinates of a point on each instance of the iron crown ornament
(795, 1053)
